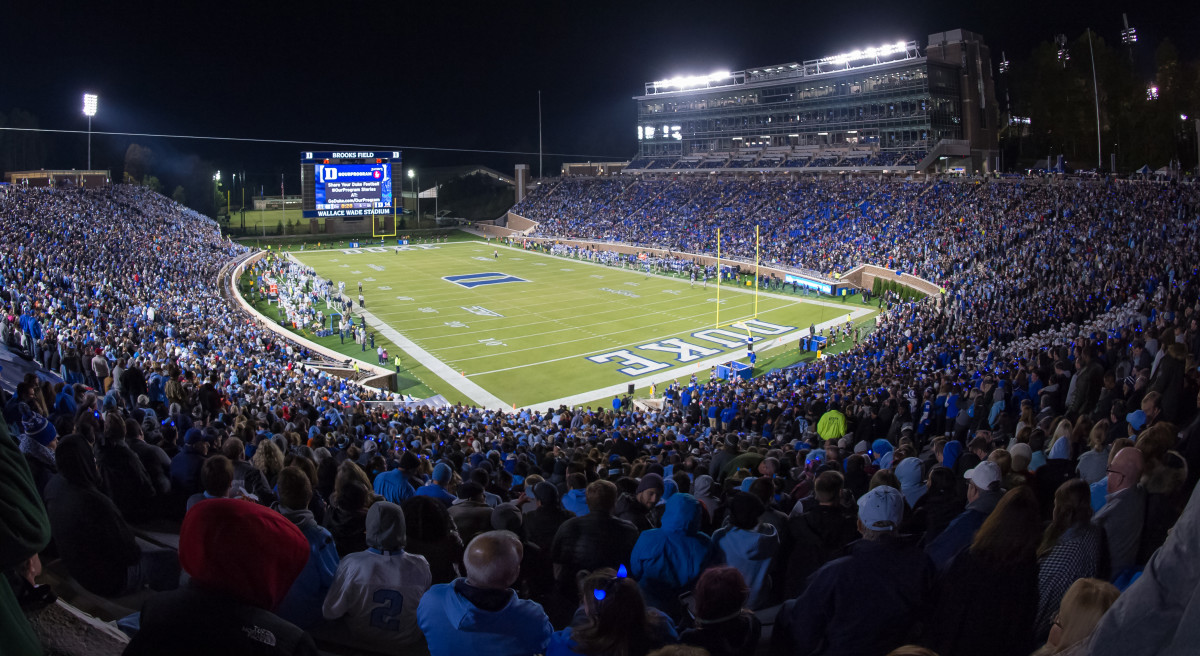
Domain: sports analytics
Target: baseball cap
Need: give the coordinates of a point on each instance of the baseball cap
(881, 508)
(1137, 419)
(984, 475)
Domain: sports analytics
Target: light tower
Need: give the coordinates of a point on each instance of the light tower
(89, 110)
(1064, 55)
(1128, 35)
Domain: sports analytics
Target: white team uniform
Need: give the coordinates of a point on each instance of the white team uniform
(377, 593)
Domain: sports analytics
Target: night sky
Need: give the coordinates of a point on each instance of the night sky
(453, 74)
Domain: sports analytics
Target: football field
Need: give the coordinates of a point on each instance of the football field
(505, 326)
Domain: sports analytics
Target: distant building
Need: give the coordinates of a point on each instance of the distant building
(58, 178)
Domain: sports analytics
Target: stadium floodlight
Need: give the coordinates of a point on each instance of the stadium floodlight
(1183, 117)
(90, 100)
(1003, 62)
(1152, 92)
(1129, 34)
(1064, 54)
(867, 53)
(691, 81)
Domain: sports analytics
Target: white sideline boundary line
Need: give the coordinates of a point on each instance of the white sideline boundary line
(486, 399)
(441, 369)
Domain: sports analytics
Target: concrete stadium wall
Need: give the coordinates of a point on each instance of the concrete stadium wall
(519, 223)
(864, 276)
(380, 378)
(493, 231)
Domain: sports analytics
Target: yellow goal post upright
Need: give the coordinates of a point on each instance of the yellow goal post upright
(717, 324)
(395, 224)
(757, 242)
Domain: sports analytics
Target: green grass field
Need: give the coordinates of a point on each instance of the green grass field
(543, 328)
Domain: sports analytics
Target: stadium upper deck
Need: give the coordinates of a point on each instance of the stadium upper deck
(883, 107)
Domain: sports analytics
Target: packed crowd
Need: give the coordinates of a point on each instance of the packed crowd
(1007, 468)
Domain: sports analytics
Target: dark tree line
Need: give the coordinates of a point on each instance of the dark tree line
(1059, 102)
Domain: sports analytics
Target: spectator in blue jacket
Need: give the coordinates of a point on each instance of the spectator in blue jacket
(667, 561)
(185, 466)
(302, 605)
(437, 487)
(749, 546)
(480, 615)
(395, 486)
(869, 601)
(575, 499)
(983, 493)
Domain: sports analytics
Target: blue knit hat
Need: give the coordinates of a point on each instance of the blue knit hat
(442, 473)
(38, 429)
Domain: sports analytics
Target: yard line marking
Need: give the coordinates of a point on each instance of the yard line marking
(456, 380)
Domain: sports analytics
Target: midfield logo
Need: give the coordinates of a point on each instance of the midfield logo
(472, 280)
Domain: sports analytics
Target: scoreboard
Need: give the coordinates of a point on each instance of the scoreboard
(347, 184)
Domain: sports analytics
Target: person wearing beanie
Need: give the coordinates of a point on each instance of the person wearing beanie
(185, 466)
(385, 577)
(748, 546)
(38, 442)
(228, 605)
(470, 512)
(894, 575)
(637, 508)
(543, 521)
(442, 476)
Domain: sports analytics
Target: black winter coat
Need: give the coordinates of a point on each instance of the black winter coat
(590, 542)
(985, 609)
(191, 621)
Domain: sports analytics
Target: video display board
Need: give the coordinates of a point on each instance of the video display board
(352, 186)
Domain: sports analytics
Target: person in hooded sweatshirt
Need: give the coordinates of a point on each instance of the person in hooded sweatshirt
(302, 605)
(705, 490)
(937, 507)
(911, 486)
(376, 592)
(227, 606)
(749, 546)
(94, 541)
(124, 475)
(667, 561)
(480, 614)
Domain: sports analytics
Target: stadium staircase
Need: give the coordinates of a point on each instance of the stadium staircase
(945, 148)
